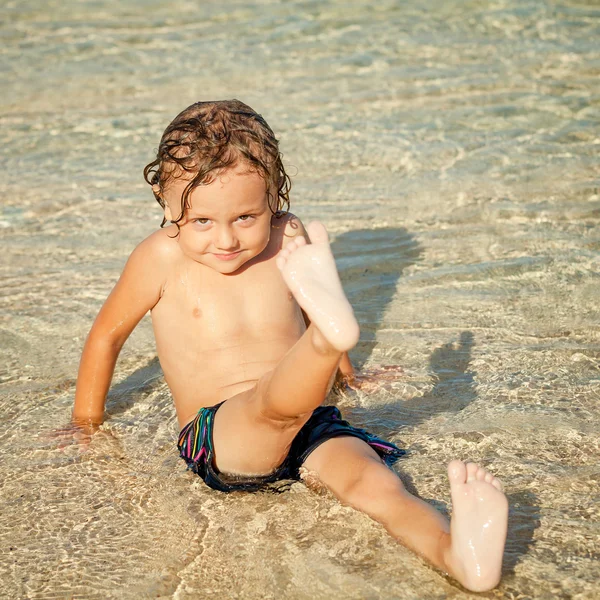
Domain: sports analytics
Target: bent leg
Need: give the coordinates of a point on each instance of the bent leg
(302, 379)
(469, 549)
(254, 430)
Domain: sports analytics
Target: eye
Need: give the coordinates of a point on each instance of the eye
(201, 221)
(245, 218)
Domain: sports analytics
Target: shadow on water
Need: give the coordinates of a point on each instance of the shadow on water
(523, 520)
(454, 384)
(453, 390)
(370, 262)
(135, 386)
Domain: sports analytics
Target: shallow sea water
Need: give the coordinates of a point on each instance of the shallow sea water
(452, 151)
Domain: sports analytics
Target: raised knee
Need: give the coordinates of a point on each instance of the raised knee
(265, 416)
(271, 411)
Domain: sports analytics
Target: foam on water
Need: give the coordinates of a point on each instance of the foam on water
(451, 149)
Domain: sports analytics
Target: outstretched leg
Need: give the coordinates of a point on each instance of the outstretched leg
(469, 548)
(266, 418)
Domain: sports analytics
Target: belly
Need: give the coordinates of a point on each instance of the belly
(203, 376)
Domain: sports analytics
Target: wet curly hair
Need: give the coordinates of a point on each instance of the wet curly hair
(209, 137)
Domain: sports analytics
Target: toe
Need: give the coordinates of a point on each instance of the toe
(497, 484)
(480, 475)
(457, 472)
(472, 469)
(489, 478)
(300, 241)
(317, 233)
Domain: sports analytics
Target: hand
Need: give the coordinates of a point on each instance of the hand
(372, 379)
(72, 434)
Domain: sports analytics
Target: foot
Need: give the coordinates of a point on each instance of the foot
(309, 271)
(477, 527)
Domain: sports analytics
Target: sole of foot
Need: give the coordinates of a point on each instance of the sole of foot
(477, 527)
(310, 273)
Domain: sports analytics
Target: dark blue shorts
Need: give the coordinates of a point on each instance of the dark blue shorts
(196, 448)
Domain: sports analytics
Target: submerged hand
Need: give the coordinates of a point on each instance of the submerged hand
(73, 434)
(371, 379)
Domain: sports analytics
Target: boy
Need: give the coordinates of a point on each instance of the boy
(251, 326)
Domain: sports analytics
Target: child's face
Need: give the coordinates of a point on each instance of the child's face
(228, 222)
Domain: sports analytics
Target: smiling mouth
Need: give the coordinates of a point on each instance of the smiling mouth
(229, 256)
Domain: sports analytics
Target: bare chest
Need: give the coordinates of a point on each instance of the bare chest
(212, 311)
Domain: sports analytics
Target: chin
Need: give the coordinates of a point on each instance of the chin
(227, 268)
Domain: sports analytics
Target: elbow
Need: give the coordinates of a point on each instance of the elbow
(107, 341)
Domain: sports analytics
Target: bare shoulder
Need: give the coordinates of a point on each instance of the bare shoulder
(139, 288)
(152, 260)
(290, 226)
(160, 247)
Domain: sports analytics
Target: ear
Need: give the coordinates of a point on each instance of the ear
(167, 210)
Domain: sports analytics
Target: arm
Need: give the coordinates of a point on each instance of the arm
(346, 369)
(137, 291)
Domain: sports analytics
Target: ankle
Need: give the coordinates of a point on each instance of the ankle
(448, 559)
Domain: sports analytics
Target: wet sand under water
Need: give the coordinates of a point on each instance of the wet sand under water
(452, 153)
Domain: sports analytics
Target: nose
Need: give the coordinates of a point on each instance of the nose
(225, 239)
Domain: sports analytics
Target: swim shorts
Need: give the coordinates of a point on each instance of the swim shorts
(196, 448)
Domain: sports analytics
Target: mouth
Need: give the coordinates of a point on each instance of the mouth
(229, 256)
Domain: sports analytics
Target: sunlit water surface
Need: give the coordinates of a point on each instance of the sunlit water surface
(452, 152)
